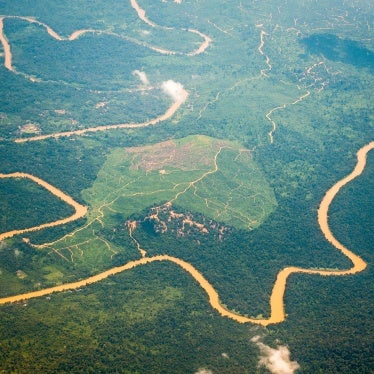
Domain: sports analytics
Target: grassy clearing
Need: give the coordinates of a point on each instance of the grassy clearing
(216, 178)
(198, 173)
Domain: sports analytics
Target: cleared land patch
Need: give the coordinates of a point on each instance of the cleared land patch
(214, 177)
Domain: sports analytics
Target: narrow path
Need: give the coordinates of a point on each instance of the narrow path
(263, 73)
(277, 314)
(260, 50)
(193, 183)
(283, 106)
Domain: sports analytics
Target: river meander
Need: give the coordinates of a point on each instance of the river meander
(277, 314)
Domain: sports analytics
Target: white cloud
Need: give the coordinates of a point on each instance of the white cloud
(142, 76)
(174, 89)
(276, 360)
(204, 371)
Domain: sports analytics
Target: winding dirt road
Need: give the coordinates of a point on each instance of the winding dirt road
(277, 297)
(283, 106)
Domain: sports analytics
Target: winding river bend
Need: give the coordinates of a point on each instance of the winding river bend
(277, 308)
(176, 104)
(277, 314)
(163, 117)
(80, 210)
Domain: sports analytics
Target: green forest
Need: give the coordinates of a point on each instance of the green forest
(236, 119)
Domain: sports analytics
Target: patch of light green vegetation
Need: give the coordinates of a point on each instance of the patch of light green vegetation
(53, 274)
(236, 194)
(216, 178)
